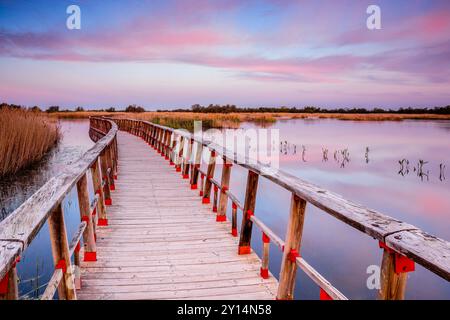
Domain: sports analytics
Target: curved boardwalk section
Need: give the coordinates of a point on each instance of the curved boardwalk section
(162, 243)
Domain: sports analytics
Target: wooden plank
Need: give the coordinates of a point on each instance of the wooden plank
(154, 219)
(429, 251)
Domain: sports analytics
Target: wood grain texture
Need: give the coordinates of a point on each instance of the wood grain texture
(162, 243)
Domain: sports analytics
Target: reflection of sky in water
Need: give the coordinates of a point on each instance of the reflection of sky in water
(341, 253)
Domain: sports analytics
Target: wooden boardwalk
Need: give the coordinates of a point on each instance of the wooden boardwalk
(161, 242)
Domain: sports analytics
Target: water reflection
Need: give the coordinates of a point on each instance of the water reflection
(36, 265)
(361, 161)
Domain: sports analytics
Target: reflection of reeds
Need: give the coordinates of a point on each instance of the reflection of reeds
(34, 282)
(25, 137)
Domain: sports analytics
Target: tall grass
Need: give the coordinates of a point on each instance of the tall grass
(25, 137)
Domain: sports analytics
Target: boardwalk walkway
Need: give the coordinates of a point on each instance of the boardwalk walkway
(162, 243)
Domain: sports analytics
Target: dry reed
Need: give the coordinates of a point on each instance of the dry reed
(25, 137)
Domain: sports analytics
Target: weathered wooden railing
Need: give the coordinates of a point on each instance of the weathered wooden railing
(19, 229)
(403, 244)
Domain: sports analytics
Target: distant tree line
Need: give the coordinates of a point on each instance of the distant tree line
(231, 108)
(53, 109)
(215, 108)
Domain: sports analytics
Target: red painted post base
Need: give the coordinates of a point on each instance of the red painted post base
(171, 163)
(185, 176)
(166, 157)
(214, 209)
(108, 202)
(234, 232)
(205, 200)
(102, 222)
(201, 193)
(244, 250)
(324, 295)
(90, 256)
(112, 187)
(178, 169)
(221, 218)
(115, 177)
(4, 284)
(264, 273)
(193, 187)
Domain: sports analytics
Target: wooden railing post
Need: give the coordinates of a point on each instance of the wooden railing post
(61, 254)
(172, 155)
(224, 187)
(265, 257)
(234, 220)
(196, 166)
(392, 282)
(179, 159)
(209, 176)
(110, 173)
(105, 178)
(188, 159)
(167, 143)
(90, 250)
(9, 285)
(249, 209)
(97, 182)
(291, 249)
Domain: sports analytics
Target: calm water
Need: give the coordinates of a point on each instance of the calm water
(36, 266)
(339, 252)
(371, 178)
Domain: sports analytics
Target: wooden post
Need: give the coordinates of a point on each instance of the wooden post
(216, 190)
(167, 149)
(265, 257)
(90, 250)
(234, 220)
(196, 166)
(61, 254)
(172, 156)
(9, 285)
(179, 161)
(187, 159)
(97, 182)
(202, 184)
(224, 186)
(110, 165)
(105, 178)
(291, 249)
(209, 176)
(392, 284)
(249, 209)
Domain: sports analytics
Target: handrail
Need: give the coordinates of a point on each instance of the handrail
(403, 243)
(18, 230)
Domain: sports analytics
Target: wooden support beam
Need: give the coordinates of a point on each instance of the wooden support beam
(61, 254)
(392, 284)
(188, 159)
(9, 285)
(179, 160)
(196, 166)
(90, 249)
(105, 178)
(97, 182)
(249, 209)
(209, 176)
(291, 249)
(265, 257)
(224, 187)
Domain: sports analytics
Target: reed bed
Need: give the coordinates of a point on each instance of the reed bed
(25, 137)
(186, 120)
